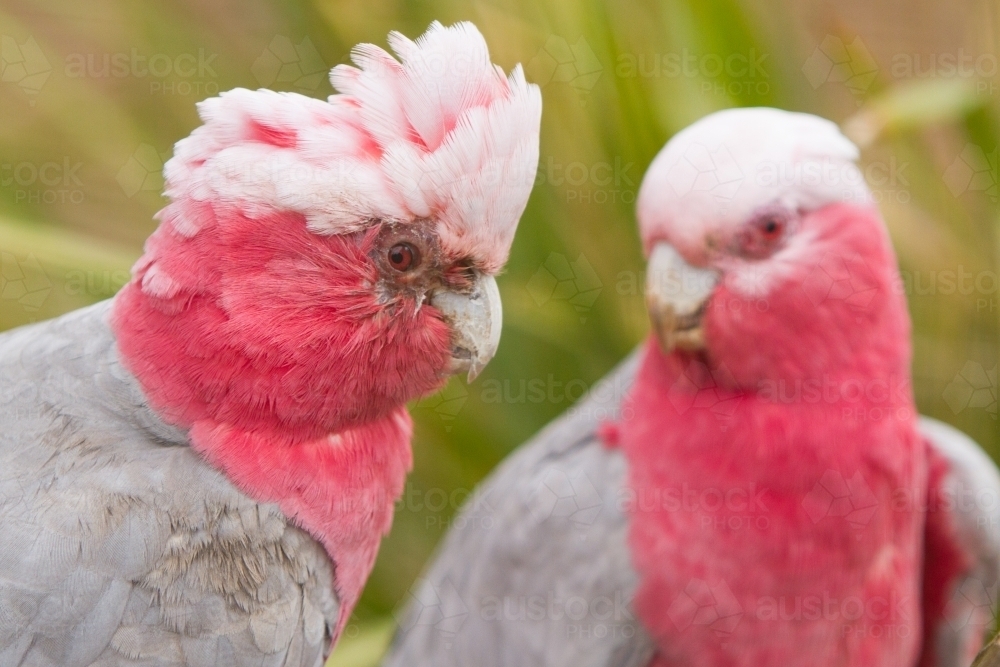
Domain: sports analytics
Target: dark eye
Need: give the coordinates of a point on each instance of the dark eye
(771, 228)
(762, 237)
(403, 257)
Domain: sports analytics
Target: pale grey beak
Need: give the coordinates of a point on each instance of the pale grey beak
(676, 294)
(475, 318)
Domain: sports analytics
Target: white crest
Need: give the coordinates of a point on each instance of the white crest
(718, 172)
(440, 134)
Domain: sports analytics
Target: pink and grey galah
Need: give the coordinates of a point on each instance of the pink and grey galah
(200, 471)
(754, 485)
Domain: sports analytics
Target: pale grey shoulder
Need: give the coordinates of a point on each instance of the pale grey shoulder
(971, 495)
(977, 481)
(535, 570)
(118, 545)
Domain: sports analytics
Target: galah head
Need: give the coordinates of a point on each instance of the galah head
(766, 251)
(349, 245)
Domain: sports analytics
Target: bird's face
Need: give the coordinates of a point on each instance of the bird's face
(320, 263)
(777, 281)
(357, 323)
(416, 272)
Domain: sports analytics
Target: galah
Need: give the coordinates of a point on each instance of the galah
(765, 493)
(200, 471)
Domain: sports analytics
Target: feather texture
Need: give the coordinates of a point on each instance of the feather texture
(118, 544)
(442, 134)
(258, 316)
(783, 503)
(535, 571)
(264, 347)
(511, 544)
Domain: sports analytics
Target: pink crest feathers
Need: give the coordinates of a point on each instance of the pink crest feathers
(255, 320)
(442, 134)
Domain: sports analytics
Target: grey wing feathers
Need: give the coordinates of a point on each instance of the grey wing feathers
(973, 483)
(535, 570)
(118, 545)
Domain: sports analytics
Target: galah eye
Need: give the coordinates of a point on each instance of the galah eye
(772, 228)
(762, 236)
(403, 257)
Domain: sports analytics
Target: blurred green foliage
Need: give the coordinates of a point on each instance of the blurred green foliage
(93, 95)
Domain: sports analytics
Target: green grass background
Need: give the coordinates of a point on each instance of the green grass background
(80, 153)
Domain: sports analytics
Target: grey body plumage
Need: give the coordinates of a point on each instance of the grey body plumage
(548, 523)
(535, 572)
(119, 545)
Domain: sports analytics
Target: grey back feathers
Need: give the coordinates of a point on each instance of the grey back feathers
(972, 488)
(536, 569)
(118, 544)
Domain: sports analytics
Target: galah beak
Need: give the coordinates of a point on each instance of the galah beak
(475, 317)
(676, 296)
